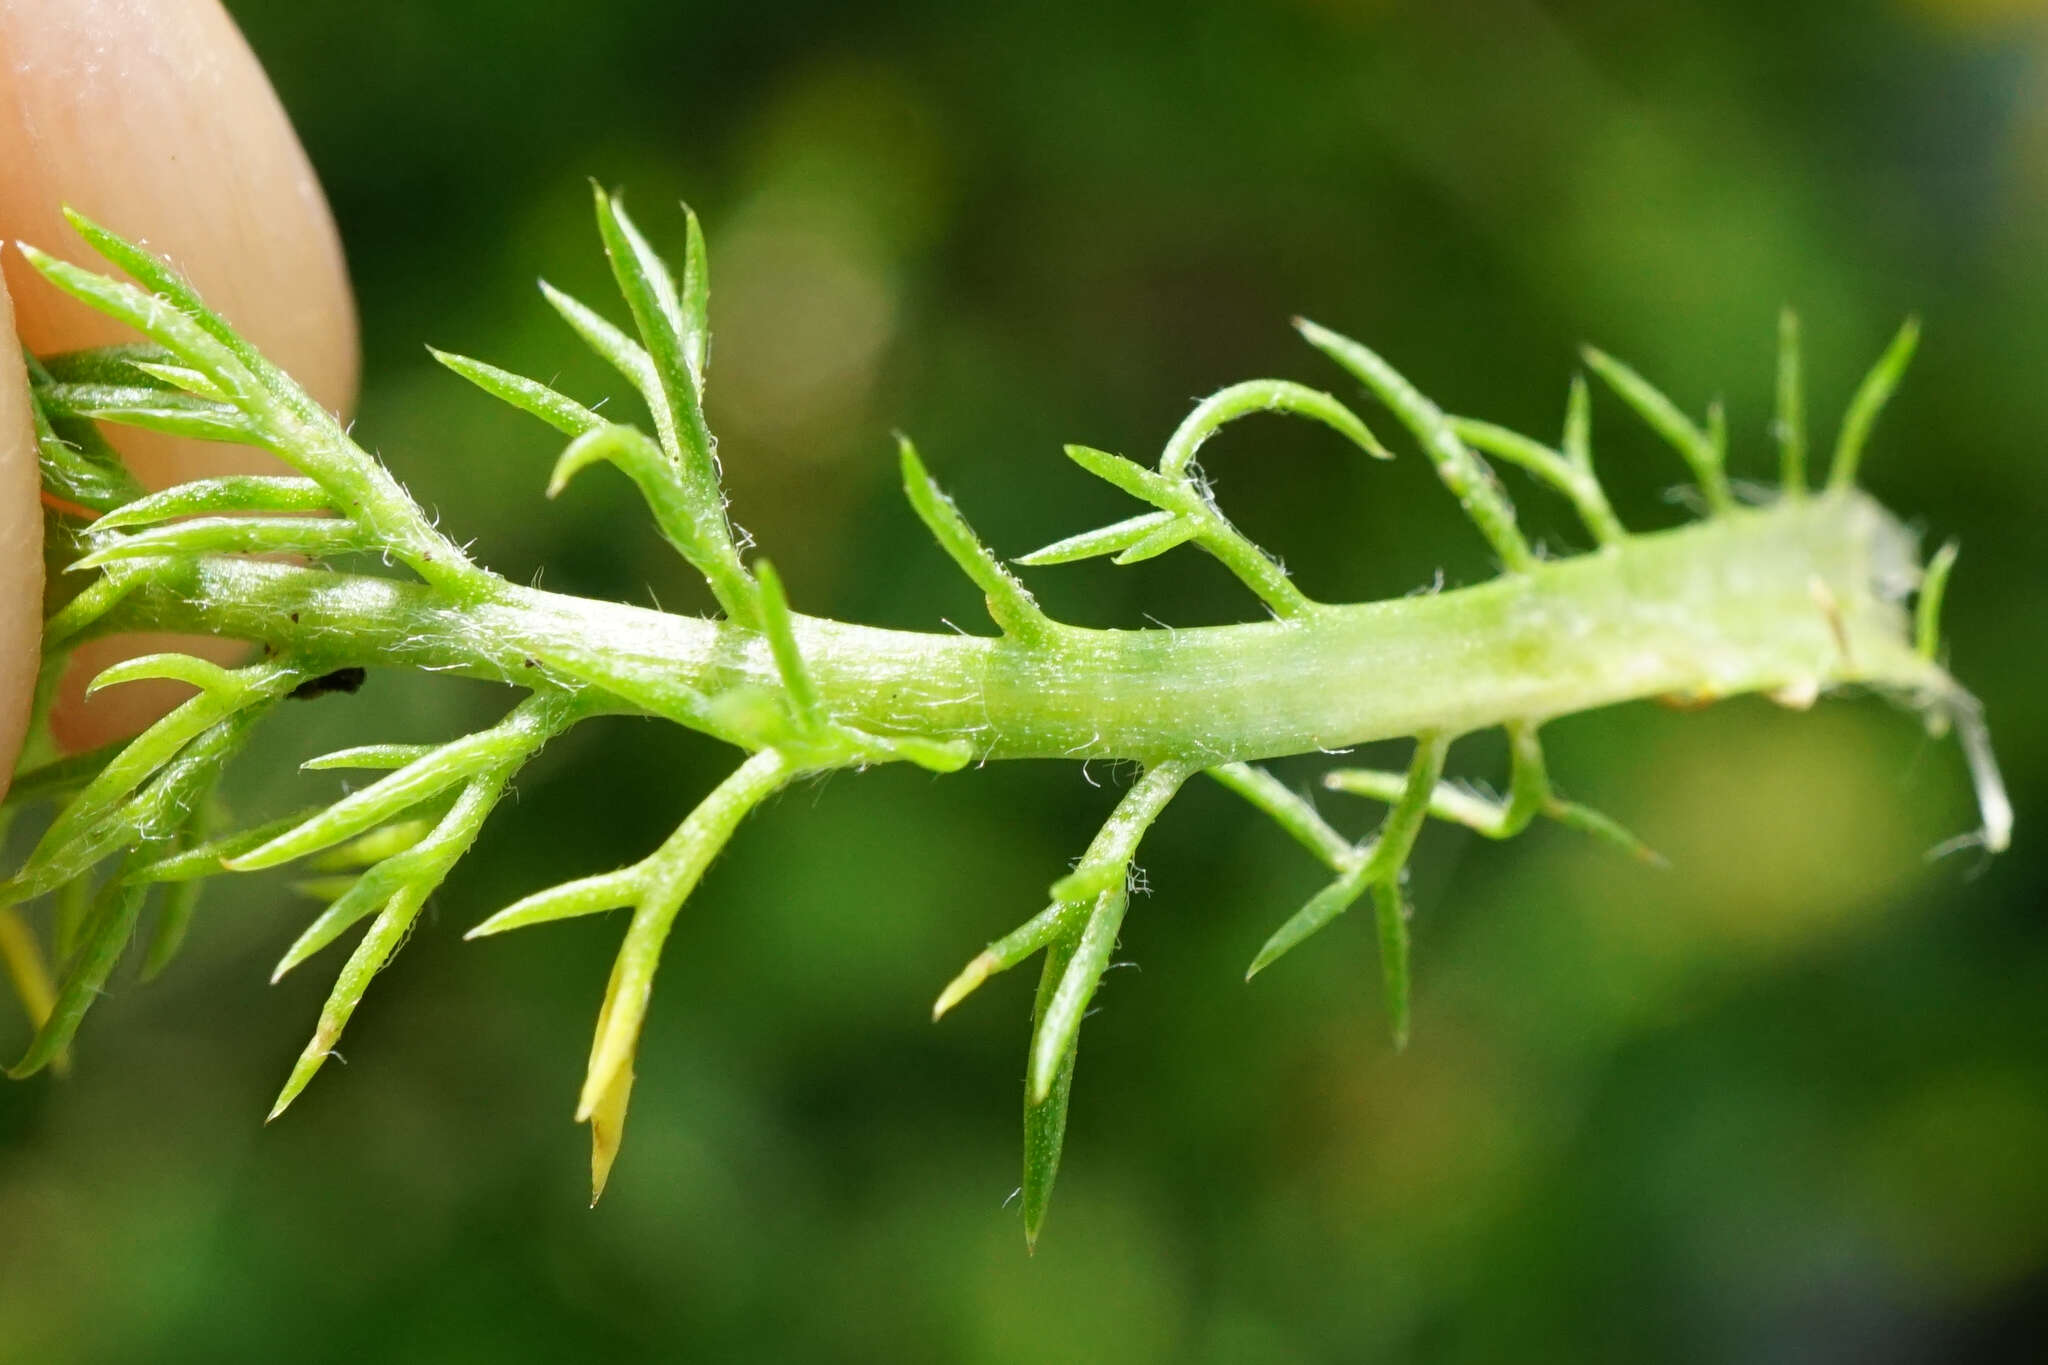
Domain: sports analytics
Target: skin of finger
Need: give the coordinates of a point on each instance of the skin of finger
(154, 118)
(21, 554)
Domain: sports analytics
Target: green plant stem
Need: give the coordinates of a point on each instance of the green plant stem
(1792, 599)
(1756, 600)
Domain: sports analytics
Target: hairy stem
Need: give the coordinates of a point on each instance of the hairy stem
(1792, 596)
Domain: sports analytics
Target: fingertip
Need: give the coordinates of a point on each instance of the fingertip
(154, 118)
(21, 551)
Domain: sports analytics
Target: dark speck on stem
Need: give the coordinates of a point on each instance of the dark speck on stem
(340, 680)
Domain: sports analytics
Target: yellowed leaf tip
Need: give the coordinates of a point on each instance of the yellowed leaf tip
(960, 987)
(607, 1130)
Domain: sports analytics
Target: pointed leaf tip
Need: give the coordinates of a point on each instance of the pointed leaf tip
(308, 1066)
(608, 1130)
(965, 984)
(185, 668)
(1010, 604)
(1106, 540)
(531, 396)
(1328, 903)
(585, 896)
(1869, 401)
(1045, 1120)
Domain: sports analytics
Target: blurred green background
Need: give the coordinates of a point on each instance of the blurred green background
(1787, 1102)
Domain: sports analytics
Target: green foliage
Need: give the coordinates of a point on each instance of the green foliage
(1816, 605)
